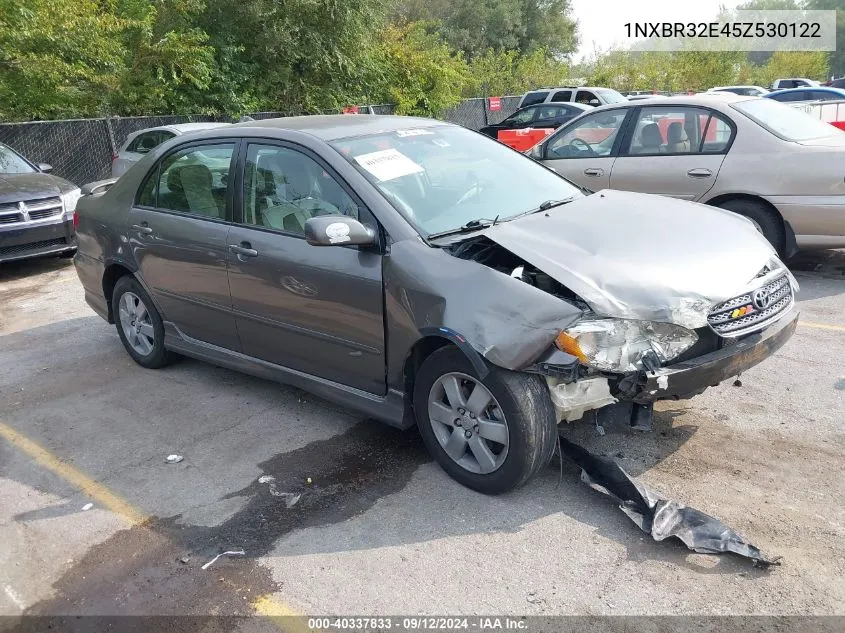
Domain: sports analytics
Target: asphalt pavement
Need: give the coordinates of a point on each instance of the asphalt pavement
(94, 521)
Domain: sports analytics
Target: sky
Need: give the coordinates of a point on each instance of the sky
(601, 22)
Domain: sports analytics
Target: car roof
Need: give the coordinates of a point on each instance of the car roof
(705, 99)
(184, 128)
(737, 86)
(784, 91)
(334, 126)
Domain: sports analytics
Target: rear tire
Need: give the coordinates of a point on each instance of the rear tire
(139, 324)
(768, 222)
(514, 433)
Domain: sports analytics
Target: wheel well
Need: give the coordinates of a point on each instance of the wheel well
(720, 200)
(790, 247)
(112, 273)
(421, 350)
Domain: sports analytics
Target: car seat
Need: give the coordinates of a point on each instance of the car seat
(197, 183)
(677, 141)
(651, 140)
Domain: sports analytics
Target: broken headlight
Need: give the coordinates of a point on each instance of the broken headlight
(619, 345)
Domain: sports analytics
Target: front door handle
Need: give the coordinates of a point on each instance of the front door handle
(143, 228)
(244, 249)
(699, 173)
(593, 171)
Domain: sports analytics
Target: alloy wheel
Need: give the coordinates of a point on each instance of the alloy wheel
(468, 423)
(136, 323)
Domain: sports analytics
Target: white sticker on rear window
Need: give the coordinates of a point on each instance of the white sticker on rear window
(413, 132)
(388, 164)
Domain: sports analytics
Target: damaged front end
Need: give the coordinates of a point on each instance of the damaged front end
(615, 353)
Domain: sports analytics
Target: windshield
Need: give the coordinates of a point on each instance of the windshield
(784, 121)
(11, 163)
(611, 96)
(443, 177)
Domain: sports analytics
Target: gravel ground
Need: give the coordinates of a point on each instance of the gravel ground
(379, 528)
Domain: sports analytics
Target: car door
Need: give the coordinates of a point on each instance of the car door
(672, 150)
(561, 95)
(584, 150)
(318, 310)
(587, 97)
(178, 232)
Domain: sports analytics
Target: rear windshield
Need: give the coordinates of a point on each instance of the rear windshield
(784, 121)
(611, 96)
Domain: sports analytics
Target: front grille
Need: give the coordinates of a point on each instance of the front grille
(40, 209)
(40, 214)
(752, 311)
(10, 218)
(32, 247)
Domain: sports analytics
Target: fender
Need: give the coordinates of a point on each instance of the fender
(469, 351)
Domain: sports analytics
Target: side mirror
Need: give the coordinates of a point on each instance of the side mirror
(595, 102)
(337, 230)
(44, 167)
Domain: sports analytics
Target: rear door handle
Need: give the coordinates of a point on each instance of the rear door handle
(143, 228)
(593, 171)
(699, 173)
(243, 249)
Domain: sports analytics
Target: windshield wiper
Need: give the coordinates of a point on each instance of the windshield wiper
(472, 225)
(545, 206)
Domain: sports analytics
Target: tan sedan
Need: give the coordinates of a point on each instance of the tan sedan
(775, 165)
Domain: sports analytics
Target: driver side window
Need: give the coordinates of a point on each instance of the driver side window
(592, 136)
(523, 116)
(284, 188)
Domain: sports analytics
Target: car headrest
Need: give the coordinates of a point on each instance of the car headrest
(676, 133)
(651, 136)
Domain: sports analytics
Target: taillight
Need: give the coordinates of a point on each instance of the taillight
(75, 220)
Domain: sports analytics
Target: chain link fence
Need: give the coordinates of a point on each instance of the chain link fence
(81, 150)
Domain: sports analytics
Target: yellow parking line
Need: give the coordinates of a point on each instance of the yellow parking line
(264, 605)
(91, 488)
(283, 616)
(822, 326)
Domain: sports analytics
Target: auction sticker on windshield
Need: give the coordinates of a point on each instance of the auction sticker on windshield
(388, 164)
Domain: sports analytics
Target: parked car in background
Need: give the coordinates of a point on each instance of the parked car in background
(141, 142)
(424, 273)
(36, 209)
(767, 161)
(808, 94)
(747, 91)
(585, 94)
(799, 82)
(546, 115)
(647, 95)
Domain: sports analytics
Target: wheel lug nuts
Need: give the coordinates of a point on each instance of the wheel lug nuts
(472, 415)
(461, 411)
(467, 434)
(457, 421)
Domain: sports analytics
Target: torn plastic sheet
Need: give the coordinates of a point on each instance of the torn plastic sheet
(634, 256)
(660, 517)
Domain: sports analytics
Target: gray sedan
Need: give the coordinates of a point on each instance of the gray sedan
(778, 167)
(426, 274)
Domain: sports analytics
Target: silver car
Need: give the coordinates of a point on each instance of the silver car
(139, 143)
(771, 163)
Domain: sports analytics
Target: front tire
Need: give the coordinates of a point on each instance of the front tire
(139, 324)
(491, 435)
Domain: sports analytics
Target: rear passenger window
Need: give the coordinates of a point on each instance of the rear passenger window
(562, 95)
(534, 97)
(194, 181)
(143, 143)
(284, 188)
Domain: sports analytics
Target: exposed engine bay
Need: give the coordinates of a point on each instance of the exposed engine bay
(485, 251)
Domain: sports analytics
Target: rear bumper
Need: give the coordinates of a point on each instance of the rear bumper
(691, 377)
(818, 221)
(90, 271)
(37, 240)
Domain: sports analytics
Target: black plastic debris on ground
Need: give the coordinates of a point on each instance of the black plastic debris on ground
(659, 517)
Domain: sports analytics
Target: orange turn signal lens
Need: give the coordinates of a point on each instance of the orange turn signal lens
(568, 344)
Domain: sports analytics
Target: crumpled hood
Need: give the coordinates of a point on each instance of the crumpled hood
(16, 187)
(640, 256)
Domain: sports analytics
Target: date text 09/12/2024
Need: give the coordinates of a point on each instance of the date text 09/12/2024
(417, 623)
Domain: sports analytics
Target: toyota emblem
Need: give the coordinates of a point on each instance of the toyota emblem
(761, 299)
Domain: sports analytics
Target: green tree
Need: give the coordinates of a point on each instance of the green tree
(422, 74)
(836, 59)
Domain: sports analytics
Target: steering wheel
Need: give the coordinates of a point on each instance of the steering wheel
(576, 142)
